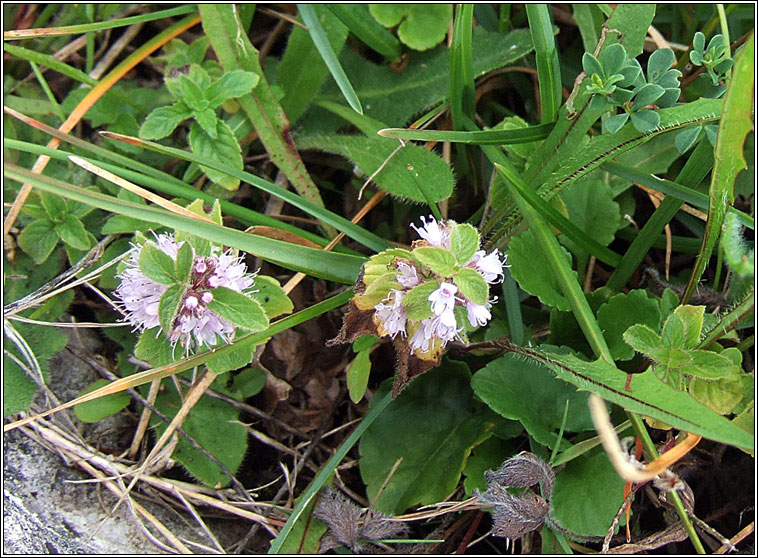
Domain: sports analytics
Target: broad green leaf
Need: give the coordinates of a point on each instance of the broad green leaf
(421, 27)
(248, 382)
(378, 290)
(439, 260)
(472, 285)
(464, 242)
(184, 259)
(632, 22)
(98, 409)
(621, 313)
(229, 86)
(614, 123)
(416, 302)
(208, 122)
(647, 94)
(722, 395)
(526, 391)
(431, 426)
(708, 365)
(154, 347)
(238, 308)
(191, 93)
(55, 206)
(215, 425)
(169, 306)
(38, 239)
(242, 355)
(224, 148)
(532, 271)
(692, 320)
(156, 264)
(672, 334)
(645, 120)
(73, 233)
(412, 173)
(587, 494)
(357, 375)
(163, 120)
(394, 98)
(271, 297)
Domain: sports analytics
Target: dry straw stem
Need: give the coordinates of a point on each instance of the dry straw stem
(618, 458)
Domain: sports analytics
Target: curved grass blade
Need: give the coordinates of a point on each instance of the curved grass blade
(360, 23)
(483, 137)
(729, 158)
(696, 168)
(327, 53)
(462, 87)
(98, 26)
(342, 268)
(546, 57)
(49, 62)
(159, 372)
(355, 232)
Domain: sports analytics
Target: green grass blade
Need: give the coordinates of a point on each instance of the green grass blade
(342, 268)
(734, 127)
(355, 232)
(546, 57)
(100, 25)
(328, 470)
(358, 20)
(484, 137)
(696, 168)
(49, 62)
(569, 283)
(327, 53)
(162, 182)
(462, 87)
(686, 195)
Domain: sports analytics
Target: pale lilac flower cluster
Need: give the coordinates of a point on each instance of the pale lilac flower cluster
(443, 324)
(194, 324)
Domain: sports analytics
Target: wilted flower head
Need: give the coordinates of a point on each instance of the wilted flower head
(194, 324)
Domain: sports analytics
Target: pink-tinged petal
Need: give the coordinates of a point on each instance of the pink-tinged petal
(443, 298)
(434, 232)
(407, 275)
(478, 314)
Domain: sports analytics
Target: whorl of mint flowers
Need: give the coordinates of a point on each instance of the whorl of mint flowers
(194, 324)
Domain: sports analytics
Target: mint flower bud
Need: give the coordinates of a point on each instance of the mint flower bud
(194, 324)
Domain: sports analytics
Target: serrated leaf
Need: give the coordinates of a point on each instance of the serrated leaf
(238, 308)
(191, 93)
(526, 391)
(208, 121)
(102, 407)
(156, 264)
(168, 306)
(38, 239)
(357, 375)
(242, 355)
(163, 120)
(432, 426)
(438, 259)
(531, 269)
(223, 149)
(377, 291)
(642, 339)
(416, 301)
(55, 206)
(272, 298)
(464, 242)
(184, 258)
(620, 313)
(692, 320)
(709, 366)
(472, 285)
(73, 233)
(672, 334)
(231, 85)
(412, 173)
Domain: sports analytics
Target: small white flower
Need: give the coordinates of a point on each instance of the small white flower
(443, 299)
(478, 314)
(434, 232)
(490, 266)
(393, 316)
(430, 329)
(194, 324)
(407, 275)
